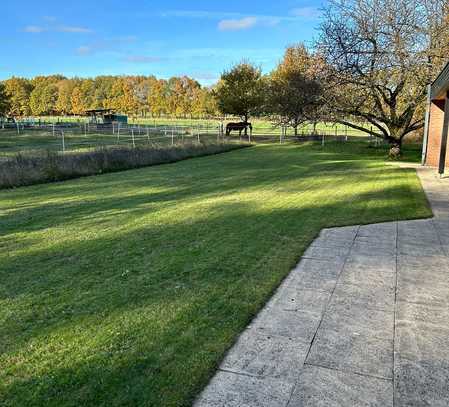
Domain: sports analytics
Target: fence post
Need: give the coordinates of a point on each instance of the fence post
(198, 130)
(118, 132)
(18, 128)
(53, 129)
(172, 137)
(132, 135)
(322, 140)
(346, 133)
(148, 135)
(63, 141)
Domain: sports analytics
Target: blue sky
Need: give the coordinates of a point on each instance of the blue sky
(164, 38)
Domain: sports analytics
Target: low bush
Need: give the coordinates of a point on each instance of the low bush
(34, 168)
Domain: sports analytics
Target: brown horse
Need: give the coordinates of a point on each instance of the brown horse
(238, 127)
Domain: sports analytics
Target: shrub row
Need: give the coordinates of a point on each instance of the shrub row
(35, 168)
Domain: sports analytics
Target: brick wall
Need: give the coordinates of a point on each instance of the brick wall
(435, 133)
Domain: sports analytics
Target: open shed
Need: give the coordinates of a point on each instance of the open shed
(105, 116)
(437, 123)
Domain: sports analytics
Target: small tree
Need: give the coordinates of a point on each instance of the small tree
(293, 91)
(240, 91)
(378, 54)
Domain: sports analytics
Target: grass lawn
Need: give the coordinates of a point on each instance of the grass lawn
(127, 288)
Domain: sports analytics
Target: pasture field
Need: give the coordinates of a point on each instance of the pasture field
(260, 126)
(148, 133)
(35, 140)
(127, 288)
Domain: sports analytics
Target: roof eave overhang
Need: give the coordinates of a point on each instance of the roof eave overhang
(440, 86)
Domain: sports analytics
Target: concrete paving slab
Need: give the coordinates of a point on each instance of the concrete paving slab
(356, 352)
(370, 249)
(340, 317)
(421, 384)
(316, 252)
(377, 229)
(365, 296)
(294, 299)
(228, 389)
(420, 248)
(426, 294)
(431, 277)
(435, 263)
(290, 324)
(370, 263)
(406, 311)
(318, 274)
(265, 355)
(357, 276)
(332, 242)
(418, 341)
(378, 240)
(343, 233)
(320, 387)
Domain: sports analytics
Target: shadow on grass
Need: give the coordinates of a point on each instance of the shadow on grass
(143, 190)
(143, 315)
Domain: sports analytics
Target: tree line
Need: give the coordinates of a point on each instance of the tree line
(133, 95)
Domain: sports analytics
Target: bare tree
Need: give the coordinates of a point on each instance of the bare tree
(380, 56)
(293, 91)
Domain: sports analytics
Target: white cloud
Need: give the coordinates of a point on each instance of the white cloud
(84, 50)
(237, 24)
(233, 21)
(34, 29)
(305, 12)
(59, 28)
(142, 59)
(215, 15)
(205, 76)
(73, 29)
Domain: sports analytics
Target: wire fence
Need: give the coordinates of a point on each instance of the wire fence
(68, 136)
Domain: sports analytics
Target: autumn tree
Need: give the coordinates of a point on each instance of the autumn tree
(76, 100)
(18, 91)
(293, 89)
(380, 55)
(240, 91)
(204, 103)
(4, 101)
(43, 97)
(63, 102)
(157, 99)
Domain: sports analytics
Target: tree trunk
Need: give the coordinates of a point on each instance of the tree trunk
(246, 128)
(395, 147)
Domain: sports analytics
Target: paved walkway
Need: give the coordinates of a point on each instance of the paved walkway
(363, 320)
